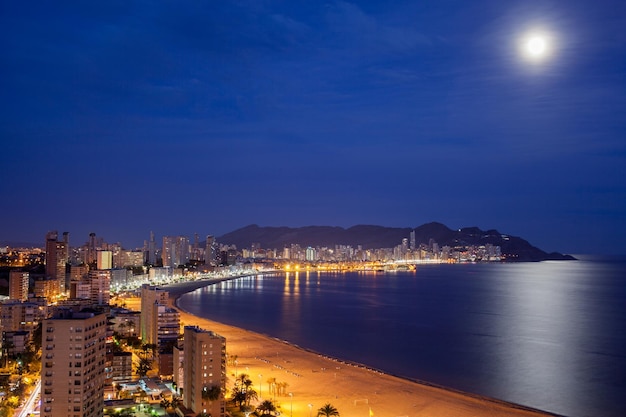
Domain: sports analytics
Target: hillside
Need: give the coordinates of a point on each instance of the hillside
(370, 237)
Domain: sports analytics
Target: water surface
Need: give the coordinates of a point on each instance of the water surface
(549, 335)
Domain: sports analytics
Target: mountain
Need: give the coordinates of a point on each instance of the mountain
(371, 237)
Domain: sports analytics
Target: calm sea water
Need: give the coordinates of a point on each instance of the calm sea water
(549, 335)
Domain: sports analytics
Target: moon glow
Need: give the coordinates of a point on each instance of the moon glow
(536, 47)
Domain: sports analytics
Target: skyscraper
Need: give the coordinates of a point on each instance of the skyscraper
(175, 251)
(210, 252)
(57, 255)
(151, 296)
(204, 370)
(150, 249)
(73, 364)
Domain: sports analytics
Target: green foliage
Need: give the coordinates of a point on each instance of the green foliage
(266, 408)
(213, 393)
(327, 410)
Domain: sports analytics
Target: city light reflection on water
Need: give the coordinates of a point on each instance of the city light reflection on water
(548, 335)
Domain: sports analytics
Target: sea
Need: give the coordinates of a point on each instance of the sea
(547, 335)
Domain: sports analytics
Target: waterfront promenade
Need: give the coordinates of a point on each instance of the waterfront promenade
(313, 380)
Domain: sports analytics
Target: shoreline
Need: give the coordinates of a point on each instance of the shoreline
(355, 389)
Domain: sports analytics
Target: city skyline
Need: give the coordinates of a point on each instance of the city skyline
(126, 118)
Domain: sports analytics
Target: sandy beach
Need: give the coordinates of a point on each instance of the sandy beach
(314, 380)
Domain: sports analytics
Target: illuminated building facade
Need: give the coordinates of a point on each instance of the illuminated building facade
(151, 296)
(204, 367)
(18, 285)
(57, 256)
(175, 251)
(100, 286)
(73, 364)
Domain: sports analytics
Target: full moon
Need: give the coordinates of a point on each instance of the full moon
(536, 46)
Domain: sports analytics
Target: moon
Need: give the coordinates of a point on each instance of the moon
(536, 46)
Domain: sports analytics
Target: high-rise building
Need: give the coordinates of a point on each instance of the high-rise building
(204, 370)
(91, 248)
(104, 259)
(412, 237)
(210, 251)
(57, 256)
(100, 282)
(150, 296)
(73, 364)
(310, 254)
(18, 285)
(175, 251)
(150, 250)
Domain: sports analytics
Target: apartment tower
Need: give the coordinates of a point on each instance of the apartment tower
(57, 255)
(204, 369)
(18, 285)
(150, 297)
(73, 364)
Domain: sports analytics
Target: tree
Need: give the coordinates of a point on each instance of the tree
(176, 401)
(239, 398)
(212, 393)
(165, 403)
(243, 392)
(327, 410)
(266, 408)
(282, 388)
(143, 367)
(271, 383)
(251, 394)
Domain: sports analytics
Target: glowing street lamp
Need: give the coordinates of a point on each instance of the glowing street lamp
(260, 386)
(310, 409)
(291, 404)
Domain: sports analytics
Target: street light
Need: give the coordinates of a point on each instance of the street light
(291, 405)
(260, 386)
(310, 409)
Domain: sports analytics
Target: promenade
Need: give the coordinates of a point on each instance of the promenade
(314, 380)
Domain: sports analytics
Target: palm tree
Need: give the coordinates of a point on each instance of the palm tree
(165, 403)
(266, 408)
(282, 388)
(212, 393)
(251, 395)
(239, 397)
(176, 401)
(143, 366)
(327, 410)
(271, 383)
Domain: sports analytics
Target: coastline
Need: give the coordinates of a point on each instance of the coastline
(314, 379)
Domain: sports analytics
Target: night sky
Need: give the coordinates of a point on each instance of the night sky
(125, 117)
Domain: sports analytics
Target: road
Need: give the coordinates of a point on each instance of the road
(31, 403)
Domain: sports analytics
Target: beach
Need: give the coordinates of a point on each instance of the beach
(313, 380)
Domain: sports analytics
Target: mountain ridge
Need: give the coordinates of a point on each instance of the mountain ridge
(374, 236)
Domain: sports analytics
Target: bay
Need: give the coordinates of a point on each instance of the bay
(548, 335)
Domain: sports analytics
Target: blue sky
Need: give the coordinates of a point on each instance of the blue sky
(180, 117)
